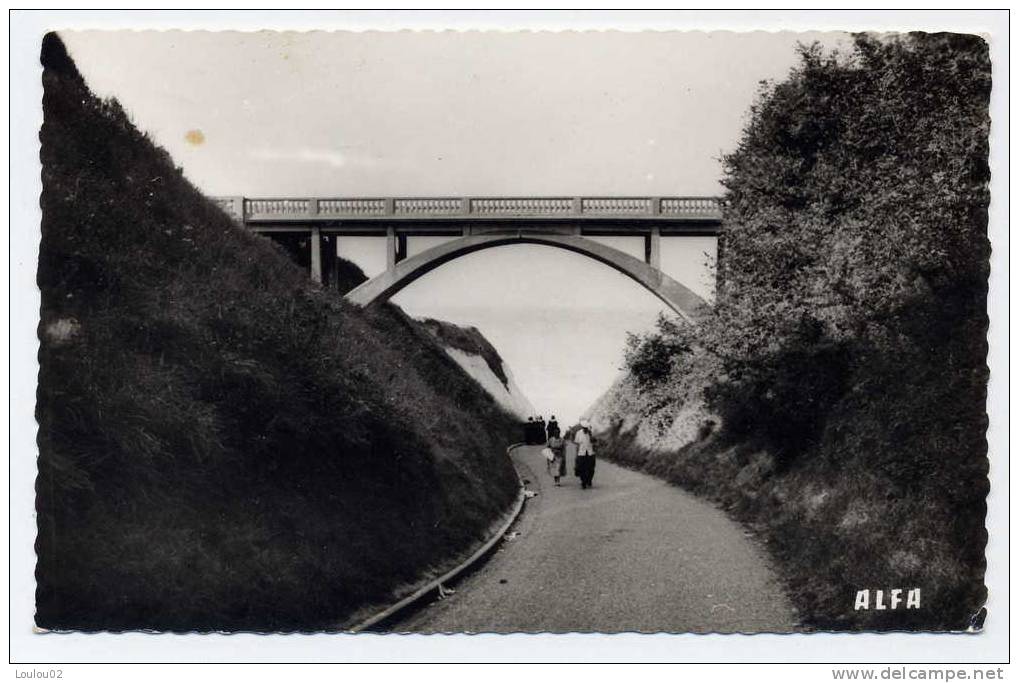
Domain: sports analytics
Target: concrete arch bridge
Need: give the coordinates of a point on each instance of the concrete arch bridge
(406, 238)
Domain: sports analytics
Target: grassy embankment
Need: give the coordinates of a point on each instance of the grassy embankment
(222, 444)
(834, 523)
(834, 400)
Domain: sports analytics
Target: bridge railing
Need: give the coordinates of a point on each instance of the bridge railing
(290, 208)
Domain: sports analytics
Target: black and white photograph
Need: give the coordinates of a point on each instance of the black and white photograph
(513, 332)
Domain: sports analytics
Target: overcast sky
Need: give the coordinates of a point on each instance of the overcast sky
(450, 114)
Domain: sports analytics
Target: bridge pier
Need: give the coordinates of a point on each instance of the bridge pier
(654, 249)
(390, 248)
(316, 255)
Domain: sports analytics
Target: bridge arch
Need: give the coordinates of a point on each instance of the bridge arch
(675, 295)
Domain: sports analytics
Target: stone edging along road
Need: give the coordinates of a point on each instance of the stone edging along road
(431, 586)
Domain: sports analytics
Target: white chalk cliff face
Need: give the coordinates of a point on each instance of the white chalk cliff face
(663, 428)
(508, 395)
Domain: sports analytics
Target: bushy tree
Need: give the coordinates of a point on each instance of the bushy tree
(856, 218)
(650, 357)
(846, 355)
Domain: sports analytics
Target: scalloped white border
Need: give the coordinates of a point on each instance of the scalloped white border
(26, 30)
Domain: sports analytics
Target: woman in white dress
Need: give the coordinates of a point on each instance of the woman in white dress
(584, 467)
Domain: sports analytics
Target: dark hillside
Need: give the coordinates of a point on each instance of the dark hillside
(222, 444)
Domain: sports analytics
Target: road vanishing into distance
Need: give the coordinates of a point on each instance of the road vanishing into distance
(631, 554)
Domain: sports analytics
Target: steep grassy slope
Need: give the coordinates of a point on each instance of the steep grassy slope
(222, 444)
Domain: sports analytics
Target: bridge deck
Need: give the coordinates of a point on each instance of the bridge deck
(367, 210)
(560, 221)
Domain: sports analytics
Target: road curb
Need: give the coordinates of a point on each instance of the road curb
(477, 556)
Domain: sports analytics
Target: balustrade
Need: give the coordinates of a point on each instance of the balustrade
(428, 206)
(275, 206)
(228, 205)
(352, 207)
(616, 205)
(484, 207)
(517, 206)
(691, 206)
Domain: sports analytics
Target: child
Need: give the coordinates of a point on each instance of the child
(557, 465)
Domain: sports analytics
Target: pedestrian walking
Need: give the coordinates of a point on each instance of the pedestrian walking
(553, 427)
(549, 456)
(557, 464)
(584, 463)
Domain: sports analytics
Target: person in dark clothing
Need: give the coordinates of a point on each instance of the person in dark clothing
(553, 428)
(541, 429)
(530, 430)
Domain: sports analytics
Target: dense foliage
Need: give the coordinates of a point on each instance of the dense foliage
(848, 340)
(223, 445)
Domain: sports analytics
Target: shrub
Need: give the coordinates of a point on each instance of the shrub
(848, 339)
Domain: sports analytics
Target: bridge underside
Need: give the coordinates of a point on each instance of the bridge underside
(313, 231)
(675, 295)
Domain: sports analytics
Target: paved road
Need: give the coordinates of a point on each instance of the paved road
(631, 554)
